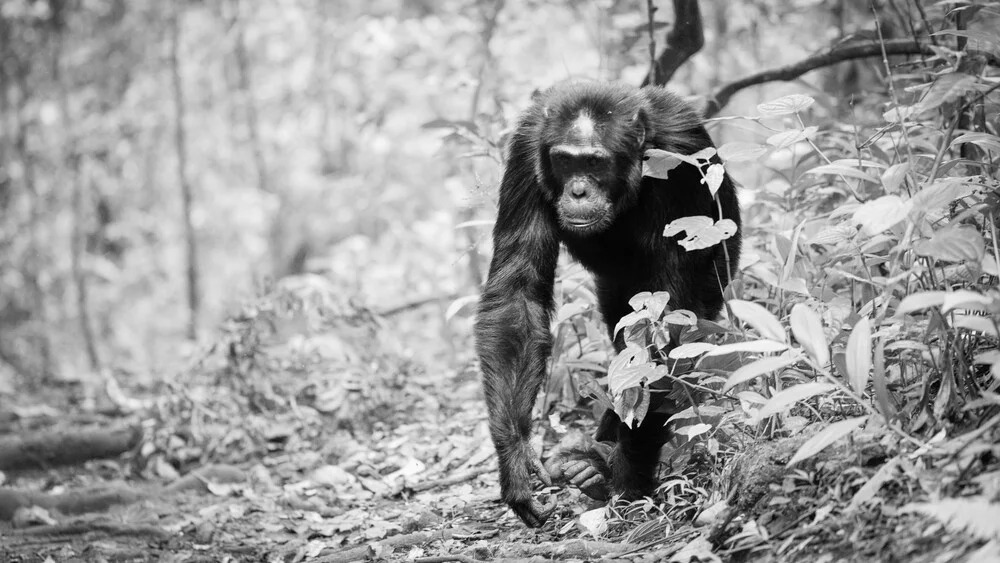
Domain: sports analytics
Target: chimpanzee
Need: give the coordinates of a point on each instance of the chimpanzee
(574, 175)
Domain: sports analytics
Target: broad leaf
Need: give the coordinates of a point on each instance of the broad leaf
(808, 330)
(758, 368)
(843, 170)
(825, 437)
(938, 194)
(759, 318)
(984, 140)
(654, 303)
(785, 105)
(956, 244)
(976, 323)
(681, 317)
(785, 398)
(658, 163)
(713, 178)
(893, 176)
(704, 154)
(920, 300)
(631, 319)
(879, 382)
(758, 346)
(966, 299)
(977, 515)
(690, 350)
(595, 522)
(877, 215)
(786, 139)
(701, 231)
(834, 235)
(859, 354)
(741, 152)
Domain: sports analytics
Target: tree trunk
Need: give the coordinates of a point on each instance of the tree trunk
(77, 184)
(187, 196)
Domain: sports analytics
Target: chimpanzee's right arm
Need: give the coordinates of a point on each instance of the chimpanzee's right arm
(513, 338)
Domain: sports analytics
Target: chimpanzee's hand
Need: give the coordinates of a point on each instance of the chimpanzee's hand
(585, 466)
(517, 464)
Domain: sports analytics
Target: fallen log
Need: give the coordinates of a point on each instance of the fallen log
(65, 446)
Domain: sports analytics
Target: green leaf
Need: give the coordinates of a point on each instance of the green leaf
(893, 176)
(571, 309)
(759, 318)
(976, 323)
(875, 216)
(966, 299)
(690, 350)
(785, 398)
(758, 368)
(741, 152)
(879, 382)
(658, 163)
(843, 170)
(977, 515)
(984, 140)
(595, 522)
(940, 193)
(808, 330)
(681, 317)
(704, 154)
(946, 88)
(654, 303)
(834, 235)
(701, 231)
(956, 244)
(974, 35)
(872, 486)
(713, 178)
(786, 139)
(757, 346)
(826, 437)
(859, 354)
(785, 105)
(631, 319)
(920, 300)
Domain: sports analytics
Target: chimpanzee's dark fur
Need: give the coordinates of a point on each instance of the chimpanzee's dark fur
(627, 254)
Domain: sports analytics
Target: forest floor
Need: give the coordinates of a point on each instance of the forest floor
(262, 456)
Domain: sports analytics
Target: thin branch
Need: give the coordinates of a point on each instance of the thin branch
(405, 307)
(71, 155)
(654, 65)
(187, 197)
(844, 52)
(686, 37)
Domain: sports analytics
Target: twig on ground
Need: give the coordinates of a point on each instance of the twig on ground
(446, 559)
(451, 480)
(85, 527)
(574, 549)
(404, 540)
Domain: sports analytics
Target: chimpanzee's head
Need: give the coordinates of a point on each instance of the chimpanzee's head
(590, 153)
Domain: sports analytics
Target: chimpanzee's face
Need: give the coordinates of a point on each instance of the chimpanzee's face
(591, 165)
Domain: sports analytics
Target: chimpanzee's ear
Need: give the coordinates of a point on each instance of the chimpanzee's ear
(640, 122)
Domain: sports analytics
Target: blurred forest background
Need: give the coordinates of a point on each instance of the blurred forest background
(242, 241)
(162, 162)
